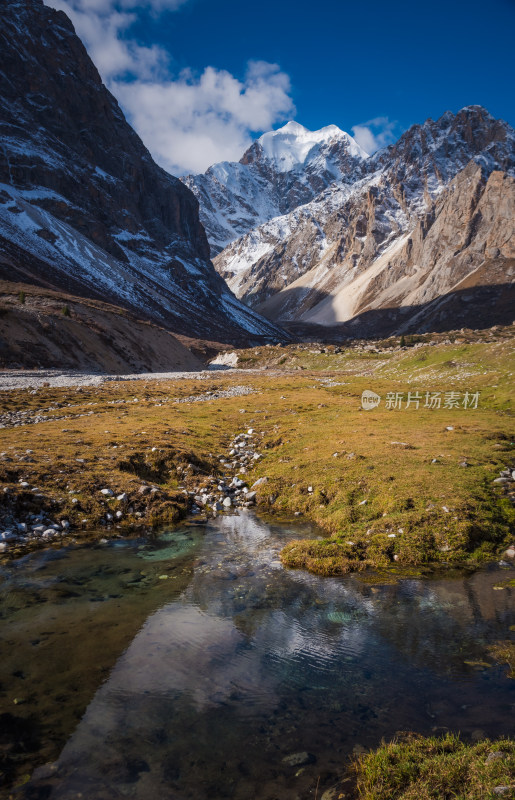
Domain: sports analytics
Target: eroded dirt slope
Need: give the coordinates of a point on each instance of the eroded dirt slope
(41, 328)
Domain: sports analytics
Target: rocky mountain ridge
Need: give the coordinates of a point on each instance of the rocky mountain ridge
(368, 242)
(83, 207)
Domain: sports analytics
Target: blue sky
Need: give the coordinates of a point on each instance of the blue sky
(199, 79)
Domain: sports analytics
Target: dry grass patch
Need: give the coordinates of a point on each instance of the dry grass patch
(504, 653)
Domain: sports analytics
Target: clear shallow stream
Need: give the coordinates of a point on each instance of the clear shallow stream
(190, 666)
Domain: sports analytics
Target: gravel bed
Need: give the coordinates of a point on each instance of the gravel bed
(35, 379)
(233, 391)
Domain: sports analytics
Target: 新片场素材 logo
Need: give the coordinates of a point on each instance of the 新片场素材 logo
(420, 399)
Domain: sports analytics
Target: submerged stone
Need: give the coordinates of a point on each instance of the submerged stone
(299, 759)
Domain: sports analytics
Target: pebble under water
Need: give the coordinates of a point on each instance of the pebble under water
(195, 666)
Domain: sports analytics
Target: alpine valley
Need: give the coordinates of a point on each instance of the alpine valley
(257, 472)
(308, 232)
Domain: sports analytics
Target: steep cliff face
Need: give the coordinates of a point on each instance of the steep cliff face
(323, 261)
(465, 241)
(282, 170)
(83, 207)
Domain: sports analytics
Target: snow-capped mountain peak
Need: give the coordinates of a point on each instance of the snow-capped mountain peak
(280, 171)
(290, 146)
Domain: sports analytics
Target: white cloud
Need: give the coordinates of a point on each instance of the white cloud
(111, 6)
(102, 25)
(375, 134)
(188, 122)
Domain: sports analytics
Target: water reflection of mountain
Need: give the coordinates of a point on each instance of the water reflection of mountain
(253, 662)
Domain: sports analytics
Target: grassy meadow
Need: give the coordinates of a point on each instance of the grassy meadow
(389, 488)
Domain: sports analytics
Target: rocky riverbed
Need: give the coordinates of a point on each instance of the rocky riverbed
(209, 494)
(44, 378)
(232, 490)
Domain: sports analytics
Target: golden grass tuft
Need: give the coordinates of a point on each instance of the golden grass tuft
(444, 768)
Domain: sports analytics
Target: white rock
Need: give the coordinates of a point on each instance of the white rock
(510, 552)
(227, 502)
(122, 497)
(225, 359)
(106, 492)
